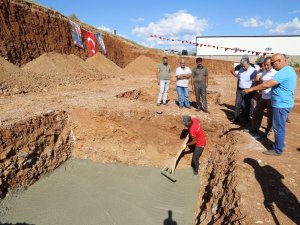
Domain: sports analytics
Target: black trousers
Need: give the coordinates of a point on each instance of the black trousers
(196, 155)
(258, 112)
(240, 96)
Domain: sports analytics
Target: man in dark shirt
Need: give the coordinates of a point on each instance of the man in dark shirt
(200, 83)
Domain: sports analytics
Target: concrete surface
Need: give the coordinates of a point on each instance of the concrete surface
(87, 193)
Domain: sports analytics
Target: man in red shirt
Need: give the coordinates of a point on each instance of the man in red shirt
(198, 139)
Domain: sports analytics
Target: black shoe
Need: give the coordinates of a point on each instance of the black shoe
(195, 173)
(235, 120)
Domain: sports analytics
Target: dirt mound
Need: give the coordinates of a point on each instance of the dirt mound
(57, 69)
(13, 80)
(104, 65)
(141, 65)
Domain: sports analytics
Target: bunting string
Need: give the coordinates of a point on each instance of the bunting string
(211, 46)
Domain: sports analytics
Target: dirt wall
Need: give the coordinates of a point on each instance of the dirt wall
(28, 30)
(31, 148)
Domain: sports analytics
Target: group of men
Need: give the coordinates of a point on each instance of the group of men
(276, 85)
(199, 81)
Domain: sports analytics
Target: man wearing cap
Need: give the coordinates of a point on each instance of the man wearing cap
(283, 85)
(163, 79)
(198, 139)
(246, 78)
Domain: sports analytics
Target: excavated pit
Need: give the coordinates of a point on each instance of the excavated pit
(37, 146)
(31, 148)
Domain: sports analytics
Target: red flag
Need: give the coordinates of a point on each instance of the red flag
(257, 53)
(201, 45)
(90, 41)
(226, 49)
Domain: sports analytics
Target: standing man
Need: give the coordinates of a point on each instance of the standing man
(264, 102)
(283, 85)
(200, 83)
(163, 79)
(246, 78)
(183, 74)
(198, 139)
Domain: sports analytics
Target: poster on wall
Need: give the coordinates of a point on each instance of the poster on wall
(101, 43)
(76, 34)
(90, 41)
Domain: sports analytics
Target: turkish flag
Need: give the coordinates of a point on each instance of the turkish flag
(90, 41)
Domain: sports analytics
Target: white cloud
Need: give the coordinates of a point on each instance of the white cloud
(172, 25)
(180, 25)
(292, 26)
(295, 11)
(136, 20)
(106, 29)
(254, 22)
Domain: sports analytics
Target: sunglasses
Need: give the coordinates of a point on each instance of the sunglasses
(272, 63)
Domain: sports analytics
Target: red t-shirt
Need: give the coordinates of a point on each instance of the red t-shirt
(196, 131)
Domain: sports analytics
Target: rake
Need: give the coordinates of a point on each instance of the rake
(169, 169)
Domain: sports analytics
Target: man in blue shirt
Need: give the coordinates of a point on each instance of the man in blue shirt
(283, 85)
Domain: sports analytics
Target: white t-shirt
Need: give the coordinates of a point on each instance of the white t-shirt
(180, 71)
(266, 76)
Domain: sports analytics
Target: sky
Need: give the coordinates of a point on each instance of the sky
(184, 20)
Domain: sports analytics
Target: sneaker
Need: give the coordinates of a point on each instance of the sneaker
(271, 152)
(206, 111)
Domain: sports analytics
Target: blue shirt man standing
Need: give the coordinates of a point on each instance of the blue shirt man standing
(283, 86)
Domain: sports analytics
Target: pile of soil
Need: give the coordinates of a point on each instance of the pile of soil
(58, 69)
(141, 65)
(13, 80)
(104, 65)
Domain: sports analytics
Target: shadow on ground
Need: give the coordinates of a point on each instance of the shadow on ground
(275, 192)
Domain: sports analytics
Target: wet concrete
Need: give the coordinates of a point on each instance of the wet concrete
(83, 192)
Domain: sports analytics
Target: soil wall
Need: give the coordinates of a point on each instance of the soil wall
(28, 30)
(31, 148)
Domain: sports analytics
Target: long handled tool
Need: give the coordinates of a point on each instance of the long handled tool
(169, 169)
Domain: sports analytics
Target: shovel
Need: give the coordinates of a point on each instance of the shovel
(169, 169)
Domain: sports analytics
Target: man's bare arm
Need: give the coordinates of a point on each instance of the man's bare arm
(263, 86)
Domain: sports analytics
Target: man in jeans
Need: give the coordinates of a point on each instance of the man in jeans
(198, 139)
(183, 74)
(163, 79)
(283, 85)
(246, 77)
(200, 83)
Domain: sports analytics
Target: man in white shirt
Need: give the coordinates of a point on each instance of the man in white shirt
(183, 74)
(246, 77)
(264, 102)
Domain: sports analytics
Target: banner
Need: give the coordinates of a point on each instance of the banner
(101, 43)
(76, 34)
(90, 41)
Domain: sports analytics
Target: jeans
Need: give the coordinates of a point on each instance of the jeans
(196, 155)
(183, 96)
(200, 91)
(261, 105)
(279, 119)
(163, 93)
(240, 96)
